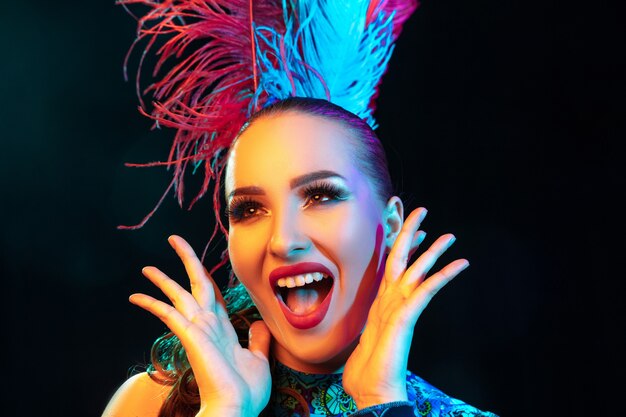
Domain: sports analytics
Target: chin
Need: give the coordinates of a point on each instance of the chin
(328, 359)
(316, 351)
(323, 348)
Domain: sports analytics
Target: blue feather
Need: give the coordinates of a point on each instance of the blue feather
(327, 51)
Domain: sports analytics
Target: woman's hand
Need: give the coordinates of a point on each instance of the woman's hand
(232, 381)
(375, 373)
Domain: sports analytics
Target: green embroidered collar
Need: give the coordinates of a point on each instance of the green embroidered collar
(323, 394)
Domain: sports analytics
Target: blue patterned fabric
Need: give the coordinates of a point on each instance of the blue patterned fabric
(324, 396)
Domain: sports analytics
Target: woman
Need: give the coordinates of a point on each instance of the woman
(322, 247)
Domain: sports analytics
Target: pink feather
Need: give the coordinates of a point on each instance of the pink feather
(403, 9)
(207, 93)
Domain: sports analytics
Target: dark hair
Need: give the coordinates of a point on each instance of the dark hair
(169, 365)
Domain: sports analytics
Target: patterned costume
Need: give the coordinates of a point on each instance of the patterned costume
(324, 396)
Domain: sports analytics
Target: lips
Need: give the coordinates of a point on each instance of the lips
(309, 319)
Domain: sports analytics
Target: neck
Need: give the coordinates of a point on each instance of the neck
(332, 365)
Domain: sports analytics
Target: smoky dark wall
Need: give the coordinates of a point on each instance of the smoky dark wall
(504, 119)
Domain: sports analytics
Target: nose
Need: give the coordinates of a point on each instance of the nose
(287, 239)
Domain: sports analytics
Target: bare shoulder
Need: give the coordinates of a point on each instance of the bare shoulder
(139, 396)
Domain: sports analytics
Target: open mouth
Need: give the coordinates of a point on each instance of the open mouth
(305, 298)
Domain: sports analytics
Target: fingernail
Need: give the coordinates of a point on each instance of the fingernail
(421, 237)
(424, 213)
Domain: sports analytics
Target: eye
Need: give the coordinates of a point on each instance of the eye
(322, 193)
(243, 208)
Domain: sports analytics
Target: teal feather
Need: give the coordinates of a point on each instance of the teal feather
(333, 50)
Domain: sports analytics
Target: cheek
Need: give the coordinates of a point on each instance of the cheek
(356, 239)
(365, 286)
(350, 238)
(362, 289)
(245, 249)
(344, 227)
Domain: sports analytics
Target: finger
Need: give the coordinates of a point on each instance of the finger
(218, 295)
(417, 272)
(172, 318)
(190, 336)
(199, 279)
(259, 339)
(182, 300)
(422, 295)
(399, 254)
(417, 241)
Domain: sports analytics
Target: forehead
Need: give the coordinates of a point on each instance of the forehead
(288, 145)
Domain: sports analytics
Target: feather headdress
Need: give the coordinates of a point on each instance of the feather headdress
(231, 58)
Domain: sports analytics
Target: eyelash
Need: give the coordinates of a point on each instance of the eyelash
(326, 188)
(239, 206)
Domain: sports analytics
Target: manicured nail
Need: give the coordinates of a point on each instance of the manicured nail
(421, 237)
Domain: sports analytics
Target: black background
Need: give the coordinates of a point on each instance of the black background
(503, 118)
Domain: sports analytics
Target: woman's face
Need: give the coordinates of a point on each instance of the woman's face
(305, 236)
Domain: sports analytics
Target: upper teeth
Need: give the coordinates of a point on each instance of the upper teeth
(300, 280)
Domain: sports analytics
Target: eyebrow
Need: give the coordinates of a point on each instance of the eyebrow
(293, 183)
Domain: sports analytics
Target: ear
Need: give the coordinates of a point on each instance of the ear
(393, 218)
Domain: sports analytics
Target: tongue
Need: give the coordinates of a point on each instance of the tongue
(303, 300)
